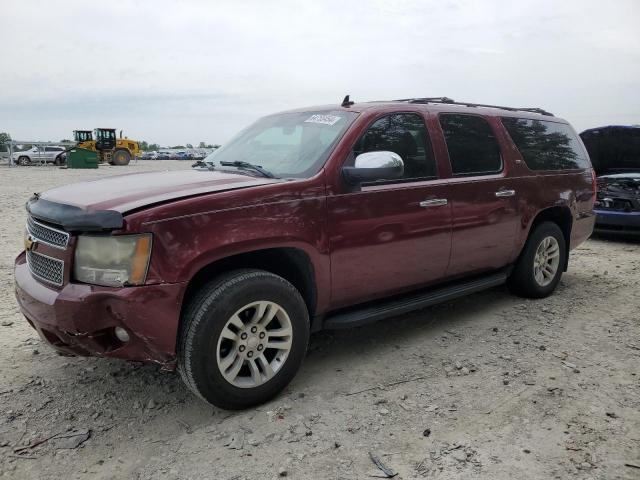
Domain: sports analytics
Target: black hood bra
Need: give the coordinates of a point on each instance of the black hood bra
(72, 218)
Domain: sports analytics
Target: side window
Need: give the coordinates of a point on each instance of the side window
(406, 135)
(473, 149)
(546, 145)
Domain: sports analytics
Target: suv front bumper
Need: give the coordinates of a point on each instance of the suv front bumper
(80, 319)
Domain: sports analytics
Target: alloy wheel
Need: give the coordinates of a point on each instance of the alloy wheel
(254, 344)
(546, 261)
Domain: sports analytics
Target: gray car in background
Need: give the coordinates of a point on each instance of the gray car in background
(47, 154)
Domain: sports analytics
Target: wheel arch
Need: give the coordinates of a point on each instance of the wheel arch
(561, 216)
(290, 263)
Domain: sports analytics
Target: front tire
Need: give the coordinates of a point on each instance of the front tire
(539, 268)
(243, 339)
(120, 158)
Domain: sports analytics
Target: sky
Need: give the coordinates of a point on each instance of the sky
(176, 72)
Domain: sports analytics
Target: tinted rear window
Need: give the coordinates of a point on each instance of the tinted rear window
(546, 145)
(473, 149)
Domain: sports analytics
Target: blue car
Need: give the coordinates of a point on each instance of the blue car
(615, 155)
(184, 156)
(617, 203)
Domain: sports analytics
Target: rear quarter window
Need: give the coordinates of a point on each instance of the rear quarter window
(546, 145)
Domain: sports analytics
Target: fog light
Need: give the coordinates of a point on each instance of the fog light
(122, 334)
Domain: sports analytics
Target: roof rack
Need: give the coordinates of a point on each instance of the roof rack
(450, 101)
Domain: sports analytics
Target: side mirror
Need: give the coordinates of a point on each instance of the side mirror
(372, 166)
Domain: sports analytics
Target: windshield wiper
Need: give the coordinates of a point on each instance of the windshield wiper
(249, 166)
(202, 163)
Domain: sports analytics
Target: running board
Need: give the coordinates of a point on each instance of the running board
(356, 316)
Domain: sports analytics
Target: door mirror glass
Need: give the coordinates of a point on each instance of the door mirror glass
(374, 166)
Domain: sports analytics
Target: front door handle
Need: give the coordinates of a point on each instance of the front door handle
(505, 193)
(436, 202)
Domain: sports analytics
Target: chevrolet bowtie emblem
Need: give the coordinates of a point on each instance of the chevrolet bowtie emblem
(29, 243)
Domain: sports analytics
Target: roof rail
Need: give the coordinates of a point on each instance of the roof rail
(427, 100)
(450, 101)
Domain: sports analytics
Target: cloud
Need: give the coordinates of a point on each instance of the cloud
(177, 72)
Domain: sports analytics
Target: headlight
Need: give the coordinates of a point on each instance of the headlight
(112, 261)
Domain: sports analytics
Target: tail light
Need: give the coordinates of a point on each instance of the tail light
(594, 183)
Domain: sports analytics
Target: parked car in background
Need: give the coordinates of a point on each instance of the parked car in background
(615, 154)
(149, 156)
(323, 217)
(44, 154)
(163, 156)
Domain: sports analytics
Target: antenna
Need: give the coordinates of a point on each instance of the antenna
(346, 102)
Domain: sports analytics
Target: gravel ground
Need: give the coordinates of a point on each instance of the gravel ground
(490, 386)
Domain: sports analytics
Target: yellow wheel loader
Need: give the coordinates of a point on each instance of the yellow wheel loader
(112, 150)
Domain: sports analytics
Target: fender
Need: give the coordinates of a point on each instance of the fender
(185, 245)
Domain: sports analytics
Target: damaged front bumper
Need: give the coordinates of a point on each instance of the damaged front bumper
(81, 319)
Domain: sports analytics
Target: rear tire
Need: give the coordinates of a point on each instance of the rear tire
(120, 158)
(243, 338)
(539, 268)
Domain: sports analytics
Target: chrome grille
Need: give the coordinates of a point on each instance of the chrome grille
(46, 234)
(45, 268)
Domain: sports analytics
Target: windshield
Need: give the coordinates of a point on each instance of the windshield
(287, 144)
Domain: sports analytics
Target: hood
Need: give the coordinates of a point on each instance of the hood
(131, 191)
(613, 149)
(100, 204)
(24, 152)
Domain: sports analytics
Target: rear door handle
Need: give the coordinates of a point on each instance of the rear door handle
(505, 193)
(436, 202)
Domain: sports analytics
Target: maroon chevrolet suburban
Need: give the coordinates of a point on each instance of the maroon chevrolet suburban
(323, 217)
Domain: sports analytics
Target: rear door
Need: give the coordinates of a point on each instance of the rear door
(49, 154)
(52, 153)
(484, 198)
(392, 235)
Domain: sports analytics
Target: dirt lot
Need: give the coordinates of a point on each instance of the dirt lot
(490, 386)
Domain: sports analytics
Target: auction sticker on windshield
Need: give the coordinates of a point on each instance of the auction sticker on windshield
(324, 119)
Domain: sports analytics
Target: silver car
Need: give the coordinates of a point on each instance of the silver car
(48, 154)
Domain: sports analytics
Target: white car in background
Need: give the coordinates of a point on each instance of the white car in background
(48, 154)
(149, 156)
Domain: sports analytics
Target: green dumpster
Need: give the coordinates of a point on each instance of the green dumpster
(82, 158)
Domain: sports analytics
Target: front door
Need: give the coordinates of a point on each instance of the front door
(392, 235)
